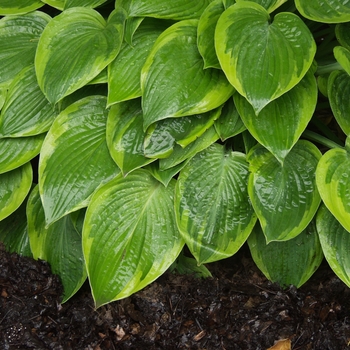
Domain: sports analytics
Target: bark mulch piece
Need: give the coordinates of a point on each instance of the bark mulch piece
(236, 309)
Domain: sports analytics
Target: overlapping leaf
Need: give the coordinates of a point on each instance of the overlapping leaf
(287, 263)
(342, 32)
(94, 41)
(326, 11)
(281, 123)
(75, 159)
(11, 7)
(26, 111)
(84, 3)
(284, 197)
(14, 187)
(180, 87)
(60, 245)
(18, 41)
(269, 5)
(130, 236)
(213, 212)
(262, 60)
(342, 55)
(58, 4)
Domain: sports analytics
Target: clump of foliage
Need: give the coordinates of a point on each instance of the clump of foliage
(159, 124)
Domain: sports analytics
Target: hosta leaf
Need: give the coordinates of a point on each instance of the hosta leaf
(338, 93)
(342, 55)
(11, 7)
(75, 159)
(60, 245)
(335, 242)
(284, 197)
(131, 25)
(326, 11)
(124, 72)
(229, 123)
(269, 5)
(94, 41)
(262, 72)
(175, 9)
(14, 187)
(181, 154)
(84, 3)
(15, 152)
(125, 136)
(181, 87)
(3, 93)
(333, 183)
(206, 31)
(342, 32)
(13, 232)
(58, 4)
(130, 236)
(26, 111)
(164, 176)
(19, 37)
(100, 78)
(281, 123)
(212, 209)
(290, 262)
(162, 136)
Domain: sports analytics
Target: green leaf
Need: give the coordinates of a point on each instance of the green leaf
(342, 55)
(229, 123)
(124, 72)
(212, 209)
(284, 197)
(164, 176)
(175, 9)
(11, 7)
(338, 93)
(75, 159)
(13, 232)
(206, 31)
(333, 183)
(325, 11)
(342, 32)
(15, 152)
(290, 262)
(181, 154)
(14, 187)
(3, 94)
(83, 3)
(162, 136)
(281, 123)
(60, 245)
(58, 4)
(269, 5)
(335, 242)
(85, 32)
(19, 37)
(130, 236)
(180, 87)
(125, 136)
(26, 111)
(262, 60)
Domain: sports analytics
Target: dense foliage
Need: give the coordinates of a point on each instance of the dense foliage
(163, 123)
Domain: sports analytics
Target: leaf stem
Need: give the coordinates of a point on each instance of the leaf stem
(328, 68)
(313, 136)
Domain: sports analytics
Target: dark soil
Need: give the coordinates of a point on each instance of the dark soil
(236, 309)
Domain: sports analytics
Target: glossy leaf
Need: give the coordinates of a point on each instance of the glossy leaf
(164, 176)
(83, 3)
(11, 7)
(335, 242)
(326, 11)
(333, 183)
(342, 32)
(284, 197)
(175, 9)
(181, 154)
(269, 5)
(213, 212)
(3, 93)
(206, 31)
(342, 55)
(26, 111)
(14, 187)
(59, 245)
(58, 4)
(124, 72)
(85, 32)
(262, 60)
(125, 136)
(338, 93)
(75, 159)
(229, 123)
(281, 123)
(161, 137)
(290, 262)
(181, 87)
(130, 236)
(15, 152)
(18, 41)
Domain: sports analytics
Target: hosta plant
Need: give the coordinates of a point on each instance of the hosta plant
(130, 129)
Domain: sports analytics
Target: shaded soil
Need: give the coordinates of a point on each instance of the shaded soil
(236, 309)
